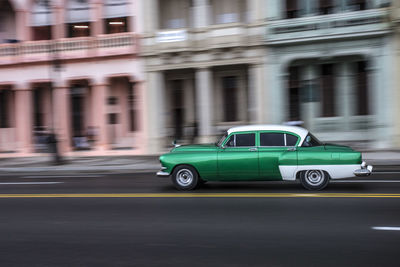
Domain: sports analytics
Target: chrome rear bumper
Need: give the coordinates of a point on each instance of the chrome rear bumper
(364, 171)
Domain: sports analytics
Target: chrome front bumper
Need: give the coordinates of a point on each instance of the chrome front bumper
(365, 170)
(162, 173)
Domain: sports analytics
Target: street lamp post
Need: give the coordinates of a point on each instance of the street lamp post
(55, 66)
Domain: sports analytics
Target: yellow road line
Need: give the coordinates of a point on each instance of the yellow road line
(204, 195)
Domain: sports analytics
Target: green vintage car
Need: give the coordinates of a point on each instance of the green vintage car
(262, 153)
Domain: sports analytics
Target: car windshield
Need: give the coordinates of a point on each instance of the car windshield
(221, 139)
(311, 140)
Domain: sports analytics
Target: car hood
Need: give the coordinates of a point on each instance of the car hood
(335, 147)
(198, 147)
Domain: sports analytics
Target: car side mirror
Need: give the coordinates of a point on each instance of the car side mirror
(175, 144)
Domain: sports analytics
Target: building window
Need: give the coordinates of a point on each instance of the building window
(178, 107)
(230, 95)
(37, 105)
(4, 121)
(8, 29)
(41, 33)
(41, 20)
(78, 18)
(116, 25)
(113, 118)
(356, 5)
(328, 91)
(174, 14)
(79, 29)
(116, 14)
(294, 94)
(326, 7)
(131, 108)
(77, 107)
(362, 88)
(228, 11)
(292, 9)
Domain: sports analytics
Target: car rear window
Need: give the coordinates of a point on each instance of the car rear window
(277, 139)
(272, 139)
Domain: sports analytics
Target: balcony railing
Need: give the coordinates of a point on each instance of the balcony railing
(68, 48)
(340, 25)
(218, 36)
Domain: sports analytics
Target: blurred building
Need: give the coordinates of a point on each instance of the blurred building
(71, 66)
(204, 64)
(330, 64)
(130, 76)
(395, 17)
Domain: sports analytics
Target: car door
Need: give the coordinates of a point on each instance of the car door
(238, 158)
(276, 148)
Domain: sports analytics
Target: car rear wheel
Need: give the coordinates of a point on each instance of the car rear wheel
(314, 179)
(185, 177)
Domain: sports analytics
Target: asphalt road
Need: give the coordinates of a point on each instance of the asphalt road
(97, 219)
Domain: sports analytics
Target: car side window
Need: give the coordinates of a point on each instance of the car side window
(231, 141)
(246, 139)
(291, 140)
(241, 140)
(272, 139)
(310, 141)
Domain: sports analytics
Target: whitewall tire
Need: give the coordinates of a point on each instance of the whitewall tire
(185, 177)
(314, 179)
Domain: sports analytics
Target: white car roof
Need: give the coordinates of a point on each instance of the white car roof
(270, 127)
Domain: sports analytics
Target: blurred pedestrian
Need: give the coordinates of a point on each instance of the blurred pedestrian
(53, 148)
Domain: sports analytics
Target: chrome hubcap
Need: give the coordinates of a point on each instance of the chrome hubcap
(184, 177)
(314, 178)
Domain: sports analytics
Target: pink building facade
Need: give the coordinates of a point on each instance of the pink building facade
(71, 66)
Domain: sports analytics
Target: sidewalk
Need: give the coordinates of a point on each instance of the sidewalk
(381, 160)
(122, 164)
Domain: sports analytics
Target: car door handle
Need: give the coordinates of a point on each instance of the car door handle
(253, 149)
(291, 149)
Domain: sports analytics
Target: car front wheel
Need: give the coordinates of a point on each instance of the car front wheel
(185, 177)
(314, 179)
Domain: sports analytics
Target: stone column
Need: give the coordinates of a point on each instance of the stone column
(58, 22)
(378, 103)
(97, 18)
(396, 88)
(201, 13)
(204, 103)
(256, 93)
(276, 94)
(155, 111)
(309, 106)
(21, 24)
(140, 116)
(62, 117)
(151, 15)
(256, 10)
(99, 113)
(188, 92)
(23, 119)
(344, 93)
